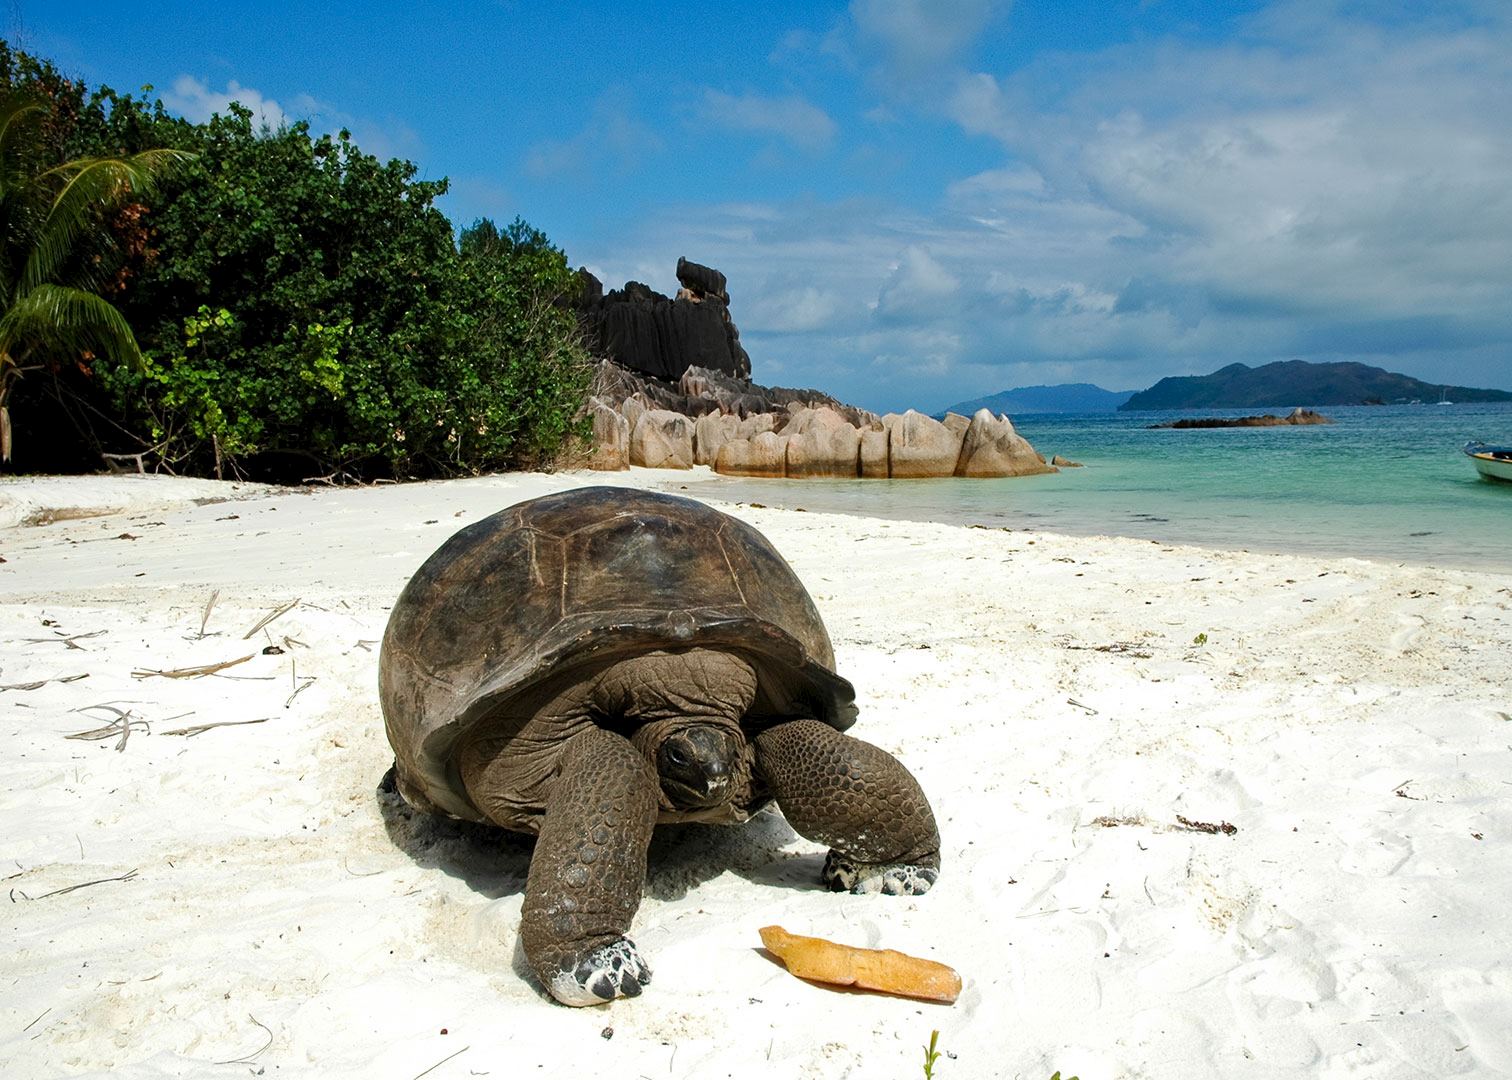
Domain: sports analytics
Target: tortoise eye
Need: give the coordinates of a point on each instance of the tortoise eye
(677, 756)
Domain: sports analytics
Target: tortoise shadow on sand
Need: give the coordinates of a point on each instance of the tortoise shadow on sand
(494, 862)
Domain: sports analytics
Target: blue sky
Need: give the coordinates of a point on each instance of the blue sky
(917, 203)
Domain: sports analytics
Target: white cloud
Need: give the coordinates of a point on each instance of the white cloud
(918, 37)
(1008, 182)
(791, 118)
(918, 287)
(799, 308)
(1326, 187)
(194, 100)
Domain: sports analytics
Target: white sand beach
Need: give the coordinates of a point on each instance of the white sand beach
(219, 901)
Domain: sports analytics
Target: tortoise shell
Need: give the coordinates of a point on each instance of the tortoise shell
(577, 578)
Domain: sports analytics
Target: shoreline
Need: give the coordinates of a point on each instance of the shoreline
(1064, 504)
(896, 500)
(1064, 701)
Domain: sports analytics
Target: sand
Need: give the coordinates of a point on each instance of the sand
(241, 900)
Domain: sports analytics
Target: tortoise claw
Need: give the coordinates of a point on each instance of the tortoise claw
(890, 879)
(609, 971)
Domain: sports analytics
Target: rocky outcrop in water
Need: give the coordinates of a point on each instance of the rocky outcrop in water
(1296, 417)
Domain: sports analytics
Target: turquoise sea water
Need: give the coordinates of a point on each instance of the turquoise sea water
(1386, 482)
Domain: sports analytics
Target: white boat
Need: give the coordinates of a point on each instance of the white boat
(1492, 462)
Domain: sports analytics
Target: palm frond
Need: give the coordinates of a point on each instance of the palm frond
(16, 112)
(90, 187)
(63, 321)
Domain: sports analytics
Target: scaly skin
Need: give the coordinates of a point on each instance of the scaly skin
(588, 870)
(604, 796)
(859, 800)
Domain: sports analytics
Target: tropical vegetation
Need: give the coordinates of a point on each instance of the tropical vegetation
(247, 301)
(51, 275)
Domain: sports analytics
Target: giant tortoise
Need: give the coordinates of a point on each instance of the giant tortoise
(587, 665)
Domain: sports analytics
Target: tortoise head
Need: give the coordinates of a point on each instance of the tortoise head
(699, 764)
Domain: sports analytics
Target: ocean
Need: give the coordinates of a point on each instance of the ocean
(1381, 482)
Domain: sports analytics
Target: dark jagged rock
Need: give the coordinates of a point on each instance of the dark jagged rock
(701, 280)
(661, 336)
(1297, 417)
(590, 290)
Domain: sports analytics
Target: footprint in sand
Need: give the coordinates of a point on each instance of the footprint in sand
(1273, 995)
(1043, 993)
(1406, 638)
(1483, 1011)
(1015, 879)
(1374, 853)
(1401, 1024)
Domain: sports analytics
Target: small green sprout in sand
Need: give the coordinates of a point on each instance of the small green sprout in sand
(931, 1055)
(1200, 639)
(1057, 1076)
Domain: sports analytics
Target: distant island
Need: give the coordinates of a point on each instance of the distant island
(1065, 398)
(1298, 382)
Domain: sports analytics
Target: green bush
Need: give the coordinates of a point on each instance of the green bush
(303, 309)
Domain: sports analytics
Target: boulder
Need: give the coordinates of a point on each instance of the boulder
(920, 446)
(873, 454)
(822, 444)
(781, 396)
(662, 440)
(633, 408)
(611, 437)
(765, 455)
(753, 426)
(714, 386)
(710, 432)
(701, 280)
(1064, 463)
(802, 419)
(990, 447)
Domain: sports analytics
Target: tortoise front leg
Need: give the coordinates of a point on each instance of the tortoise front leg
(588, 871)
(859, 800)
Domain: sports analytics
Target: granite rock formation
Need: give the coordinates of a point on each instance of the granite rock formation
(742, 429)
(674, 391)
(921, 446)
(764, 455)
(990, 447)
(611, 437)
(662, 439)
(821, 444)
(640, 329)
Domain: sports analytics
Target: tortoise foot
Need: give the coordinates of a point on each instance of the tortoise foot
(609, 971)
(891, 879)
